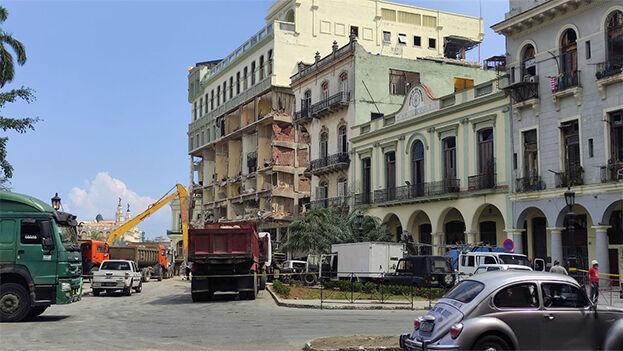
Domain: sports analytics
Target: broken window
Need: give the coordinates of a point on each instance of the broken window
(354, 30)
(402, 38)
(401, 81)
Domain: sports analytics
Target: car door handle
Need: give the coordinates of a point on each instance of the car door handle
(20, 252)
(549, 317)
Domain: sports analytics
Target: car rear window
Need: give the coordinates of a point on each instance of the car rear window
(465, 291)
(115, 266)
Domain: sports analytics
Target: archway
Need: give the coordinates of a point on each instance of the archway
(613, 217)
(421, 230)
(534, 223)
(489, 225)
(453, 226)
(394, 226)
(583, 223)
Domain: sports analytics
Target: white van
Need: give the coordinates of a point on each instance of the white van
(470, 261)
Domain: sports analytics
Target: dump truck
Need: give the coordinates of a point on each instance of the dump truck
(151, 260)
(39, 257)
(227, 257)
(93, 252)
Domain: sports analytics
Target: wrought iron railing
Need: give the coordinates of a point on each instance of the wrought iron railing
(569, 178)
(567, 80)
(324, 104)
(609, 68)
(305, 111)
(331, 160)
(338, 201)
(414, 191)
(522, 91)
(526, 184)
(363, 199)
(612, 173)
(481, 181)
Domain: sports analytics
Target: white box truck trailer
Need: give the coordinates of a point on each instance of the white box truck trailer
(367, 260)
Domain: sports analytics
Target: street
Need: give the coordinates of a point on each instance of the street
(163, 317)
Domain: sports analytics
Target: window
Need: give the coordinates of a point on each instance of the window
(514, 259)
(237, 83)
(342, 141)
(468, 261)
(561, 295)
(224, 91)
(387, 36)
(614, 38)
(195, 111)
(571, 152)
(462, 84)
(253, 73)
(290, 16)
(342, 187)
(530, 154)
(588, 49)
(390, 174)
(417, 167)
(270, 62)
(402, 38)
(432, 43)
(366, 180)
(514, 160)
(212, 100)
(205, 100)
(465, 291)
(401, 81)
(449, 158)
(101, 249)
(324, 87)
(322, 191)
(306, 103)
(569, 52)
(115, 266)
(35, 231)
(324, 145)
(528, 62)
(218, 95)
(245, 83)
(591, 152)
(485, 152)
(261, 67)
(417, 40)
(231, 87)
(344, 82)
(354, 30)
(517, 296)
(489, 260)
(200, 107)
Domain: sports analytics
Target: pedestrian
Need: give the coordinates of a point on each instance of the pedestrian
(593, 276)
(188, 268)
(557, 268)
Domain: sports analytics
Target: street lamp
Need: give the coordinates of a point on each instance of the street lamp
(360, 219)
(570, 200)
(56, 202)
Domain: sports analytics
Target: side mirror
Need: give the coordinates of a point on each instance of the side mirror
(47, 244)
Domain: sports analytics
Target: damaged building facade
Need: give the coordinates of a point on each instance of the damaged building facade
(248, 159)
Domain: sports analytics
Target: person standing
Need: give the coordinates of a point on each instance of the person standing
(593, 276)
(188, 268)
(557, 268)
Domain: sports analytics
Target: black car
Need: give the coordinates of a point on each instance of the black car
(423, 271)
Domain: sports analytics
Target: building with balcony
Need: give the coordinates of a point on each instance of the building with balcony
(439, 168)
(565, 60)
(330, 101)
(248, 161)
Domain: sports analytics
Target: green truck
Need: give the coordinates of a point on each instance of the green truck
(40, 262)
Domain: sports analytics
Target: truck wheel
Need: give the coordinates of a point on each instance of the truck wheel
(196, 297)
(37, 310)
(159, 272)
(128, 290)
(14, 302)
(147, 274)
(96, 292)
(309, 279)
(139, 288)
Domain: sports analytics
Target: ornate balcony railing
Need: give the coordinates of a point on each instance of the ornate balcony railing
(527, 184)
(609, 68)
(569, 178)
(481, 181)
(305, 111)
(363, 199)
(414, 191)
(333, 161)
(567, 80)
(612, 172)
(338, 201)
(324, 105)
(522, 91)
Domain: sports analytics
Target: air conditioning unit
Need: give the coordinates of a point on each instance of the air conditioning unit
(533, 79)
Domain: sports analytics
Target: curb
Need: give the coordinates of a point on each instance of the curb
(344, 306)
(308, 347)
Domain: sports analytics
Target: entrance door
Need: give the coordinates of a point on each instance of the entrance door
(426, 238)
(366, 186)
(390, 174)
(417, 168)
(487, 233)
(581, 242)
(539, 237)
(614, 262)
(455, 232)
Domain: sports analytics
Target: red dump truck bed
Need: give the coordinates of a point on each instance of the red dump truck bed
(224, 242)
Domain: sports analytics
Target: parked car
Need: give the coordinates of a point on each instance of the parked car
(510, 310)
(469, 262)
(435, 271)
(501, 267)
(116, 275)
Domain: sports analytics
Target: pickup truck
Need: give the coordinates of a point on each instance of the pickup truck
(117, 275)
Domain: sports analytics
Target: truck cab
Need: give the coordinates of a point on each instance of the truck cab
(40, 263)
(93, 253)
(469, 262)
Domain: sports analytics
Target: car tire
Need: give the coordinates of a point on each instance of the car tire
(128, 291)
(491, 343)
(448, 281)
(139, 288)
(196, 297)
(14, 302)
(263, 280)
(36, 311)
(96, 292)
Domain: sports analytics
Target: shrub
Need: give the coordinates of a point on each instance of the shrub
(356, 286)
(281, 289)
(369, 287)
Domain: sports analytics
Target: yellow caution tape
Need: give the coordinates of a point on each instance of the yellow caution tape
(585, 271)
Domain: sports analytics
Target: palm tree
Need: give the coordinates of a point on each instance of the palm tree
(322, 228)
(7, 68)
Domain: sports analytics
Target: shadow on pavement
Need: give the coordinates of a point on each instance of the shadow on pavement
(50, 318)
(186, 299)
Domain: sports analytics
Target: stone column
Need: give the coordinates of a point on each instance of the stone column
(601, 248)
(515, 236)
(470, 237)
(556, 243)
(437, 249)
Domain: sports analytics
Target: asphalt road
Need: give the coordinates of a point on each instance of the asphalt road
(163, 317)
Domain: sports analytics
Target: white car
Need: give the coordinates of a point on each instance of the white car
(117, 275)
(501, 267)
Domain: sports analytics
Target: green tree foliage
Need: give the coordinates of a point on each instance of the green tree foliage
(322, 228)
(7, 73)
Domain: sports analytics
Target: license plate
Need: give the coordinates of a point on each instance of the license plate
(427, 327)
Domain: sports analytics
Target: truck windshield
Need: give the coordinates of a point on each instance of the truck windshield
(441, 265)
(69, 237)
(115, 266)
(465, 291)
(514, 259)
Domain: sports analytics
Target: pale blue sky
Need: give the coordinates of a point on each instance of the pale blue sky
(111, 86)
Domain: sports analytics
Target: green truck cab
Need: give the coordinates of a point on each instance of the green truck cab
(40, 261)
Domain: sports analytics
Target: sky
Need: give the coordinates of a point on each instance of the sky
(110, 80)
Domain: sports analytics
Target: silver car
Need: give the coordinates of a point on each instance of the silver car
(511, 310)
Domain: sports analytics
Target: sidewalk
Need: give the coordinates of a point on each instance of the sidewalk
(346, 305)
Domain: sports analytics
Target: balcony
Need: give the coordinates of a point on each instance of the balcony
(332, 202)
(414, 191)
(567, 84)
(481, 181)
(363, 199)
(527, 184)
(304, 114)
(329, 164)
(525, 94)
(569, 178)
(608, 73)
(331, 104)
(613, 172)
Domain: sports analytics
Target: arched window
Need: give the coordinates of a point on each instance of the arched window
(324, 145)
(245, 82)
(324, 87)
(417, 168)
(449, 158)
(568, 52)
(528, 63)
(614, 40)
(342, 141)
(270, 61)
(261, 67)
(306, 103)
(344, 83)
(290, 16)
(224, 91)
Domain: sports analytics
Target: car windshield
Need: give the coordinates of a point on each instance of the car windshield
(514, 259)
(465, 291)
(441, 265)
(69, 237)
(115, 266)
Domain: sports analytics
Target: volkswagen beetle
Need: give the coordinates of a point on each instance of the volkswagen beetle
(510, 310)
